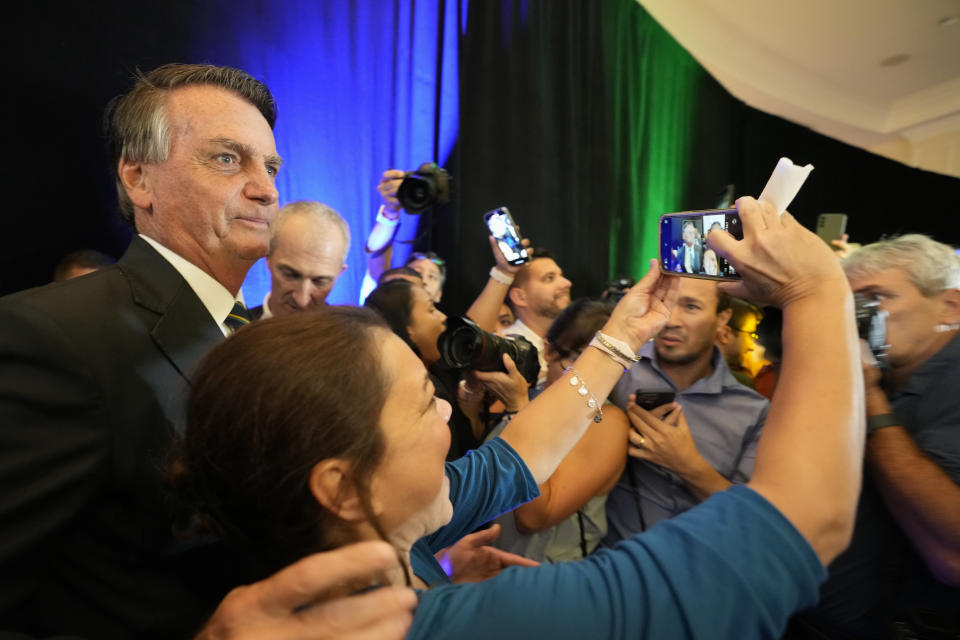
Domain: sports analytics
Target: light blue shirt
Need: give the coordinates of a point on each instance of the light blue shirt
(725, 420)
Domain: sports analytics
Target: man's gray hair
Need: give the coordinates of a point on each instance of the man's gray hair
(932, 266)
(320, 212)
(136, 122)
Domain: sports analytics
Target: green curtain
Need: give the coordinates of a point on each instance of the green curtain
(653, 84)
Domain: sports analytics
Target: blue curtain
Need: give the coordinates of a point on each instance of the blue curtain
(361, 86)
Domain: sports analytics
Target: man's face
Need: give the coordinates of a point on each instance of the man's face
(913, 316)
(306, 261)
(213, 199)
(432, 277)
(692, 328)
(689, 235)
(739, 351)
(547, 292)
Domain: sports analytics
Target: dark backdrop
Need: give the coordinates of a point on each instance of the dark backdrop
(544, 113)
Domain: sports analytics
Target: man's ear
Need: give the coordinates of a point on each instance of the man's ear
(950, 307)
(331, 487)
(133, 177)
(518, 297)
(724, 335)
(723, 318)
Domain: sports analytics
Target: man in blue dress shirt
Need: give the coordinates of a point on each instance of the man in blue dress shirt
(706, 445)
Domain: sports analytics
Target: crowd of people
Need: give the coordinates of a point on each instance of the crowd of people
(176, 465)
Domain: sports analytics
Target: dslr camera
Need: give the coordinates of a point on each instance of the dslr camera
(423, 188)
(464, 345)
(872, 326)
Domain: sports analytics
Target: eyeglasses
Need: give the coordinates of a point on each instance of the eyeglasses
(432, 257)
(752, 334)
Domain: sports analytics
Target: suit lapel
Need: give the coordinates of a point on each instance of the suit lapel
(184, 330)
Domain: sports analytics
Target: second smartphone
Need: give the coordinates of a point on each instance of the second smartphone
(504, 231)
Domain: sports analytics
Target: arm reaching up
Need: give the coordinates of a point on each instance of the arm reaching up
(809, 458)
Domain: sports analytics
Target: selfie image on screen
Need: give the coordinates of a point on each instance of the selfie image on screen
(503, 231)
(683, 242)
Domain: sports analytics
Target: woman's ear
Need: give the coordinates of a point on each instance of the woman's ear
(331, 486)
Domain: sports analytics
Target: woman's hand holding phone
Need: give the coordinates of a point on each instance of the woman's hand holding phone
(780, 260)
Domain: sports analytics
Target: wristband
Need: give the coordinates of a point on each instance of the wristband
(383, 233)
(881, 421)
(501, 277)
(384, 219)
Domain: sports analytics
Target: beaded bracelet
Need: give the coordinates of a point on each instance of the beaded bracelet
(581, 387)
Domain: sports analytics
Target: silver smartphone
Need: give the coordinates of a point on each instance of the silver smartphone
(683, 243)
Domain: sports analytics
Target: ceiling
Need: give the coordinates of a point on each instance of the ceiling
(883, 75)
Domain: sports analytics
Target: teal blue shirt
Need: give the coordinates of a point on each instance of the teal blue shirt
(731, 567)
(485, 483)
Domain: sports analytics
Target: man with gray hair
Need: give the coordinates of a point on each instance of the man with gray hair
(93, 376)
(307, 254)
(902, 570)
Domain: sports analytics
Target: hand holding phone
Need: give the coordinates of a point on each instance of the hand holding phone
(683, 243)
(650, 400)
(505, 234)
(831, 226)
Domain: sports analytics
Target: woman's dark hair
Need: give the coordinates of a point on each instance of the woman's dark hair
(393, 300)
(573, 329)
(268, 404)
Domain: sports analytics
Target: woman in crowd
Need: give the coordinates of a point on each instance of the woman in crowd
(413, 316)
(335, 436)
(568, 520)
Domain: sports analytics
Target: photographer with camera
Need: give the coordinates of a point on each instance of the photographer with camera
(901, 574)
(414, 191)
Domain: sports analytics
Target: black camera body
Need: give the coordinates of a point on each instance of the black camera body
(872, 326)
(464, 345)
(423, 188)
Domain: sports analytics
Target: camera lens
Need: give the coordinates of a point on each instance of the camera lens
(464, 344)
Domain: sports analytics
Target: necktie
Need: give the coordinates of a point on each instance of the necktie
(238, 317)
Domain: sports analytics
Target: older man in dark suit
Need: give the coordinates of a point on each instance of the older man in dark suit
(93, 373)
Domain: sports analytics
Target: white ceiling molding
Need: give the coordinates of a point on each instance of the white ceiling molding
(818, 63)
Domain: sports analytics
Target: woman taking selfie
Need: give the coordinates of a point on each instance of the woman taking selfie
(335, 437)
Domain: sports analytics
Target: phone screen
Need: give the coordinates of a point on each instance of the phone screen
(683, 243)
(504, 231)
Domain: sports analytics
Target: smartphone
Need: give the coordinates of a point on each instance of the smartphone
(831, 226)
(683, 243)
(650, 400)
(504, 231)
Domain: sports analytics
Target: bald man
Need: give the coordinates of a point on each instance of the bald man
(307, 254)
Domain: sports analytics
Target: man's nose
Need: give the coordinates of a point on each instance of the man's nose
(303, 294)
(674, 319)
(260, 187)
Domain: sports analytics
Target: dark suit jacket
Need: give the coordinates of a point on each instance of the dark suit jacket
(255, 313)
(93, 373)
(696, 257)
